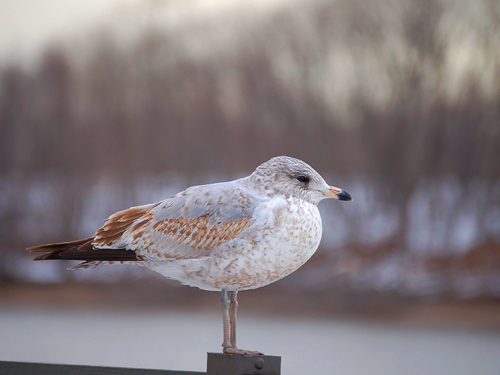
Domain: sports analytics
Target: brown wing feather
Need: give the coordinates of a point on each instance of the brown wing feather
(61, 246)
(114, 228)
(136, 229)
(200, 233)
(81, 250)
(121, 222)
(132, 235)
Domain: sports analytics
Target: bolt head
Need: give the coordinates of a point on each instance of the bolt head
(259, 363)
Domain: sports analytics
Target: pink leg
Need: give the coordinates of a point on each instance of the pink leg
(229, 310)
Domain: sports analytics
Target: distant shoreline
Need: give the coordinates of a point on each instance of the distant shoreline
(479, 314)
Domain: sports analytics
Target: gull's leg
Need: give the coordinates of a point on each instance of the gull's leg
(226, 323)
(229, 303)
(233, 308)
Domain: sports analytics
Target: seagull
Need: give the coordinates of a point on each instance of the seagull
(229, 236)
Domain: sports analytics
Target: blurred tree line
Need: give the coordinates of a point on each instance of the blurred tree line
(403, 95)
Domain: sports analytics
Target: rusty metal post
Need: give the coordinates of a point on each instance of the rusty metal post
(228, 364)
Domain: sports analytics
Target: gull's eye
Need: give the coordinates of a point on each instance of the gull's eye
(303, 179)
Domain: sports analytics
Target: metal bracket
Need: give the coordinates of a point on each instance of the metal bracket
(229, 364)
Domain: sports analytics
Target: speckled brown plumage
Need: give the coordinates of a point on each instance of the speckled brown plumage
(199, 233)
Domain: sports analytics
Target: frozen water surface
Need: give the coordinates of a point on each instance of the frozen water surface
(174, 340)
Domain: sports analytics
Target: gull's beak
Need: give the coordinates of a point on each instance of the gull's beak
(337, 193)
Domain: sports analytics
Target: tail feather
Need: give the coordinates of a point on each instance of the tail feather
(81, 250)
(60, 246)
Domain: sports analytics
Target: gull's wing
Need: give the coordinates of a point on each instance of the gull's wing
(188, 225)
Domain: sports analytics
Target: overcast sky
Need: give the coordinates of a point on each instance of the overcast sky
(28, 25)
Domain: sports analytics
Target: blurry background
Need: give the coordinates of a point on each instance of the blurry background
(109, 104)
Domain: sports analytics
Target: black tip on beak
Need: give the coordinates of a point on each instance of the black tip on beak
(344, 196)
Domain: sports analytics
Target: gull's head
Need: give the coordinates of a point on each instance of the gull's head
(288, 176)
